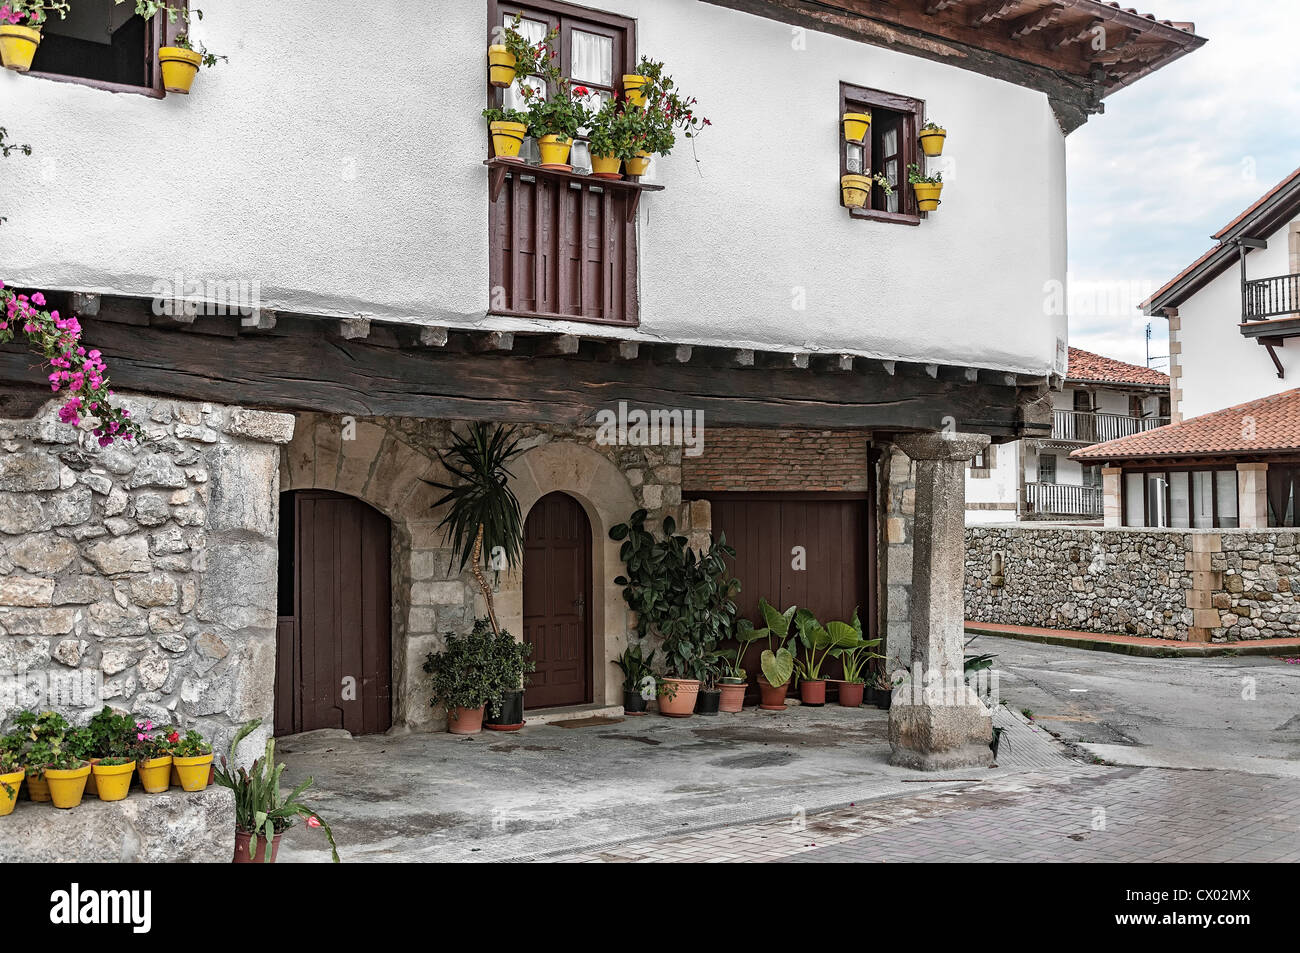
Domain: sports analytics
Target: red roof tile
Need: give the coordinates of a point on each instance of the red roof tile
(1093, 368)
(1267, 425)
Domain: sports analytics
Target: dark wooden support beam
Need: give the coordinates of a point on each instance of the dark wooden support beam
(490, 341)
(1271, 343)
(433, 337)
(84, 304)
(991, 10)
(557, 345)
(742, 357)
(1023, 26)
(1082, 33)
(354, 329)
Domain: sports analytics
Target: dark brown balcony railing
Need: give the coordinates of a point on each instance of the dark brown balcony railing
(1063, 499)
(1271, 297)
(1085, 427)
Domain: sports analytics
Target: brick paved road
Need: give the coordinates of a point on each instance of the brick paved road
(1089, 813)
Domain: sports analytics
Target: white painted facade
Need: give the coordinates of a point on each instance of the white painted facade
(1219, 367)
(338, 164)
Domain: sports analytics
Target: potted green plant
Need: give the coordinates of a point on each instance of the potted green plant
(463, 679)
(854, 653)
(41, 737)
(192, 761)
(610, 139)
(636, 669)
(153, 756)
(818, 642)
(483, 524)
(180, 63)
(262, 812)
(516, 55)
(508, 127)
(20, 30)
(109, 735)
(12, 771)
(777, 661)
(555, 118)
(927, 187)
(882, 690)
(855, 189)
(510, 664)
(66, 772)
(679, 596)
(660, 112)
(708, 668)
(932, 137)
(732, 680)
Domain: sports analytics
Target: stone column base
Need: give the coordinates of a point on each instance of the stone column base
(940, 737)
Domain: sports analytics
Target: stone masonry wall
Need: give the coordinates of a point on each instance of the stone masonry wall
(1195, 585)
(141, 577)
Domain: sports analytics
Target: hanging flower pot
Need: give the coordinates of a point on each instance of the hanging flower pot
(634, 85)
(932, 138)
(855, 126)
(606, 167)
(18, 45)
(927, 195)
(555, 152)
(112, 778)
(639, 164)
(501, 65)
(179, 67)
(9, 785)
(155, 774)
(856, 190)
(67, 785)
(507, 139)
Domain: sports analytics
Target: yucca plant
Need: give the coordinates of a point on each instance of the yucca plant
(260, 809)
(484, 525)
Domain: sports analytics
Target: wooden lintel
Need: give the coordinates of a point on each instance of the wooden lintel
(557, 345)
(490, 341)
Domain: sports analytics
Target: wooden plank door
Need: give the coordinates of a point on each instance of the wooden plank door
(557, 602)
(336, 669)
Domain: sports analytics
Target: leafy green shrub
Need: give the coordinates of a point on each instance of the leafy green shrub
(466, 673)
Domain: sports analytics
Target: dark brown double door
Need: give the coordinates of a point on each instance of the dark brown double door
(334, 644)
(557, 602)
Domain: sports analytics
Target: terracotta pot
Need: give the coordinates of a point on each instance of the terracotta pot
(468, 721)
(733, 697)
(259, 850)
(682, 702)
(773, 695)
(813, 691)
(851, 694)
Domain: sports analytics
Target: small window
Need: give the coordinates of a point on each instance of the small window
(887, 149)
(104, 43)
(1047, 468)
(981, 460)
(1092, 476)
(1199, 499)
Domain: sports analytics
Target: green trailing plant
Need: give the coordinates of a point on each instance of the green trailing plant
(483, 523)
(531, 59)
(635, 666)
(612, 131)
(176, 11)
(260, 805)
(916, 176)
(464, 673)
(667, 112)
(855, 653)
(7, 148)
(679, 596)
(40, 739)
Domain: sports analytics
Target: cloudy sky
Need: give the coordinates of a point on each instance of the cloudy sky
(1175, 158)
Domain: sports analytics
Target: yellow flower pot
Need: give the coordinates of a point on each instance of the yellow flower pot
(932, 141)
(179, 67)
(112, 780)
(634, 85)
(37, 787)
(555, 151)
(638, 165)
(193, 771)
(927, 195)
(507, 138)
(67, 785)
(501, 65)
(855, 190)
(18, 46)
(155, 774)
(91, 789)
(9, 785)
(855, 126)
(606, 167)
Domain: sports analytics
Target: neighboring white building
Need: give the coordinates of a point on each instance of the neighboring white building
(1103, 399)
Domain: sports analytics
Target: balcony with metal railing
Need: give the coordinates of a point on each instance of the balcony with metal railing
(1063, 500)
(1271, 297)
(1086, 427)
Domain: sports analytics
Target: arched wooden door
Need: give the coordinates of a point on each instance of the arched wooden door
(557, 602)
(334, 641)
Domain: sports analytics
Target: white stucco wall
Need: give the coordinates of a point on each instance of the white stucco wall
(1220, 368)
(338, 163)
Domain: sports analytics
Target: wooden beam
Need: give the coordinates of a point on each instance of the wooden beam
(84, 305)
(1080, 33)
(557, 345)
(742, 357)
(354, 329)
(990, 11)
(1023, 26)
(433, 337)
(938, 6)
(486, 343)
(261, 320)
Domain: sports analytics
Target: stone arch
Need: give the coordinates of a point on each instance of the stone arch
(606, 496)
(375, 465)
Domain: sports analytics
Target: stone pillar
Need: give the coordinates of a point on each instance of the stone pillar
(1252, 495)
(1113, 498)
(936, 722)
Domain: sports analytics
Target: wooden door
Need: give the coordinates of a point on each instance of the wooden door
(334, 649)
(557, 602)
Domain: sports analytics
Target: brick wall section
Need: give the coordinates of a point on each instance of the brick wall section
(1199, 586)
(778, 460)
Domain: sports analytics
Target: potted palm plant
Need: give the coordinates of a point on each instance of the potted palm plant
(732, 681)
(510, 664)
(636, 669)
(262, 812)
(777, 661)
(927, 187)
(854, 653)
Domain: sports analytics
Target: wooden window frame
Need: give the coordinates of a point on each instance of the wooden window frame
(158, 33)
(864, 99)
(1144, 469)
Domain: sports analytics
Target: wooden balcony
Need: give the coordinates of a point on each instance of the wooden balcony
(1083, 427)
(1062, 500)
(1271, 297)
